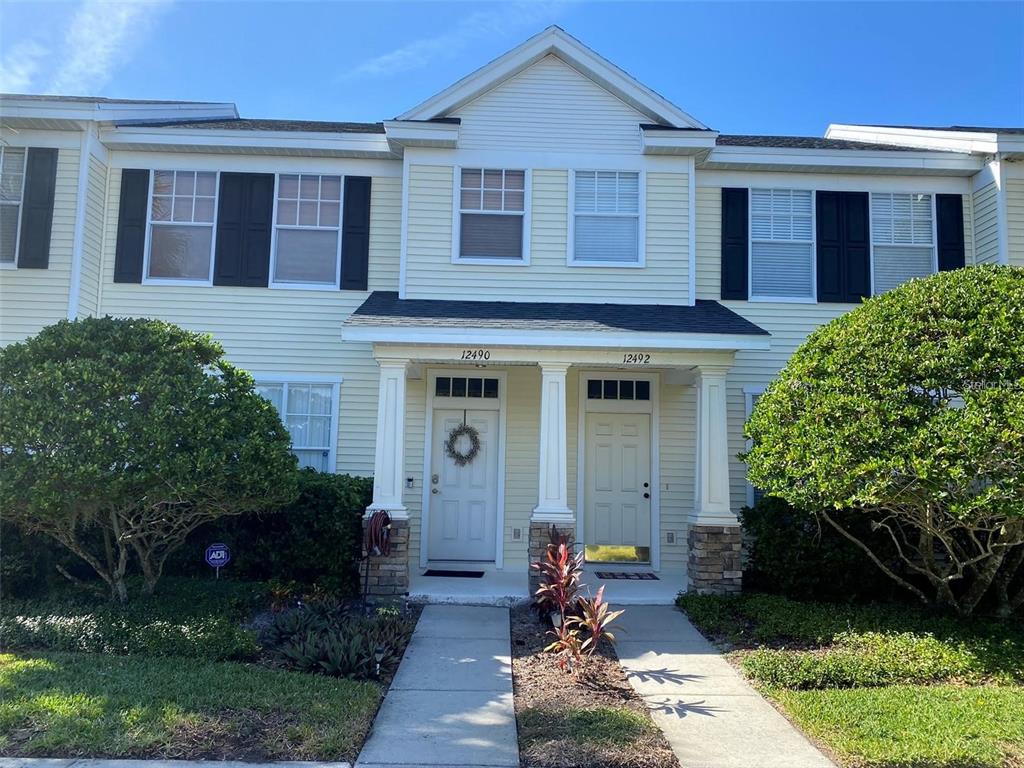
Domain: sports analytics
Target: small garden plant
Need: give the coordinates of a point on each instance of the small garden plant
(580, 623)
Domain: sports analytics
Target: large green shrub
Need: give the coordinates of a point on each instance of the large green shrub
(910, 410)
(314, 540)
(798, 555)
(119, 437)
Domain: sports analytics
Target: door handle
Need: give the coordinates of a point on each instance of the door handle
(647, 495)
(434, 490)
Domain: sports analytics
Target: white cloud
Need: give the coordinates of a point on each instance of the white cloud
(100, 37)
(498, 21)
(19, 67)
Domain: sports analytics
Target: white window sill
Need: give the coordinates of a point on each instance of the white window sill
(609, 264)
(175, 281)
(306, 286)
(783, 299)
(491, 261)
(8, 265)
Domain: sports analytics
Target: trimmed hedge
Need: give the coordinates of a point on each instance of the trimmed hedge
(184, 618)
(315, 540)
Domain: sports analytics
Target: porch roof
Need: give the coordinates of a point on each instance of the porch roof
(383, 309)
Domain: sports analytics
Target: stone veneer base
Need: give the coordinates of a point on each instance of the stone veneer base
(715, 559)
(389, 575)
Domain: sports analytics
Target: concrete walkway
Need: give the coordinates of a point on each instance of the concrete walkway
(451, 702)
(708, 712)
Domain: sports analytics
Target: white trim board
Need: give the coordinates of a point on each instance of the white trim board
(481, 404)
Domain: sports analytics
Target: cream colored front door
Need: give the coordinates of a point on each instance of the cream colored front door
(618, 487)
(463, 500)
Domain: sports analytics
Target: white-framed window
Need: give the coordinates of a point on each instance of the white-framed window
(750, 397)
(180, 241)
(902, 238)
(309, 410)
(782, 266)
(12, 190)
(307, 231)
(607, 220)
(492, 219)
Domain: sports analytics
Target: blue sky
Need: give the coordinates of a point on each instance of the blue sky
(759, 67)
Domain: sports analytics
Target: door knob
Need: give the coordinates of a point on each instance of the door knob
(434, 490)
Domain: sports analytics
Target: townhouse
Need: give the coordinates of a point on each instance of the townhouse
(545, 295)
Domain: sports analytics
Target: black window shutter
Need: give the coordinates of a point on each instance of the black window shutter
(735, 243)
(245, 214)
(37, 210)
(843, 246)
(131, 226)
(355, 234)
(949, 222)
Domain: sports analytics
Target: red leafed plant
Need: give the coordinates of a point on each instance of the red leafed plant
(560, 574)
(595, 616)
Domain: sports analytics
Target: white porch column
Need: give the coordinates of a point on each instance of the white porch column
(712, 492)
(389, 459)
(553, 494)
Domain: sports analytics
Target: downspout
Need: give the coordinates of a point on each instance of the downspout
(691, 231)
(1001, 215)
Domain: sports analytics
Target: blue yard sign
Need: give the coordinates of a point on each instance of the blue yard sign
(217, 556)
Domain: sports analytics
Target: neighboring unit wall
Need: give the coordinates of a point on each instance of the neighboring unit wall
(1015, 219)
(431, 273)
(31, 299)
(281, 331)
(92, 250)
(986, 224)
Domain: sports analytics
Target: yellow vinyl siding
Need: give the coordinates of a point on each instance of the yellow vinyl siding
(430, 273)
(92, 244)
(31, 299)
(986, 224)
(550, 107)
(969, 255)
(709, 242)
(1015, 221)
(290, 332)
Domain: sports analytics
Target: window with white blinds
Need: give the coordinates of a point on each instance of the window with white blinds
(751, 396)
(12, 187)
(903, 243)
(492, 205)
(782, 244)
(308, 230)
(307, 409)
(606, 221)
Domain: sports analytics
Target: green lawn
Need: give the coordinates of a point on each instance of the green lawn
(881, 685)
(914, 726)
(77, 704)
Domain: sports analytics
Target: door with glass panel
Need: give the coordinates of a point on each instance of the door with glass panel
(306, 410)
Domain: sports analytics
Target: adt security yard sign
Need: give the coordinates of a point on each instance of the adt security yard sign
(217, 556)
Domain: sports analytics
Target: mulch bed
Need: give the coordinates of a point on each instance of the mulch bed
(591, 720)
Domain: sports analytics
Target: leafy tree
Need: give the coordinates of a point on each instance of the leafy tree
(120, 436)
(910, 410)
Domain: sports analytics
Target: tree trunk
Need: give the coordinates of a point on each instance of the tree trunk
(1011, 565)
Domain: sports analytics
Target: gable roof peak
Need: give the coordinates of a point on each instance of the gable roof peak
(555, 41)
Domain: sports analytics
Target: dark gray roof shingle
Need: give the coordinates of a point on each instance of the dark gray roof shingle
(98, 99)
(805, 142)
(385, 309)
(251, 124)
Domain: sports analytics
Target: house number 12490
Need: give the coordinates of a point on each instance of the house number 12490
(476, 354)
(636, 358)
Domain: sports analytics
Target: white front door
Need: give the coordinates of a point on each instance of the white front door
(618, 486)
(463, 500)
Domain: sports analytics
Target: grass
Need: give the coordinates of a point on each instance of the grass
(74, 705)
(914, 726)
(583, 736)
(881, 685)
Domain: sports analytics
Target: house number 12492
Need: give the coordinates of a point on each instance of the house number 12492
(636, 358)
(476, 354)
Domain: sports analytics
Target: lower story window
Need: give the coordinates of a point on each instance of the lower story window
(307, 409)
(751, 396)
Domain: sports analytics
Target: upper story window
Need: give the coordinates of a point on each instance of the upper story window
(902, 237)
(308, 231)
(606, 218)
(782, 244)
(181, 214)
(492, 208)
(307, 409)
(12, 187)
